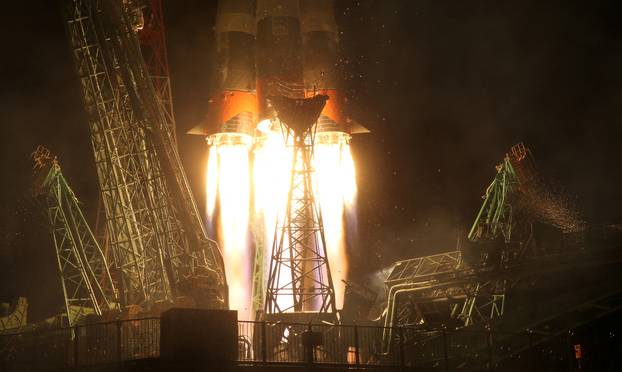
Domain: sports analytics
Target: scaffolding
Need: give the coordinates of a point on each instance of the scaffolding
(156, 233)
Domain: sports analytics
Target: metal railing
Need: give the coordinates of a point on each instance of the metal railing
(277, 342)
(82, 345)
(267, 343)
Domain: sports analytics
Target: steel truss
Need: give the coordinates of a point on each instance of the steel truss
(299, 278)
(440, 290)
(259, 268)
(153, 48)
(17, 318)
(156, 235)
(85, 277)
(476, 301)
(469, 287)
(452, 290)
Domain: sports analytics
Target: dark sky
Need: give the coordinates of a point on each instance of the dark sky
(446, 87)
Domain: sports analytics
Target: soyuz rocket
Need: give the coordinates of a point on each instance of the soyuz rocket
(268, 48)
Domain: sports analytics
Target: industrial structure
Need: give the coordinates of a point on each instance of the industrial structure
(526, 243)
(161, 253)
(267, 49)
(300, 277)
(84, 271)
(14, 315)
(279, 115)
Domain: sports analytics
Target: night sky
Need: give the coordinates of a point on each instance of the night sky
(446, 87)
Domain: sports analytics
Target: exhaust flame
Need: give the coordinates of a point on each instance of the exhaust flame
(212, 182)
(229, 171)
(335, 181)
(271, 176)
(229, 182)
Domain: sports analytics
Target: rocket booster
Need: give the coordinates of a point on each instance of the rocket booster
(275, 48)
(319, 37)
(233, 109)
(279, 54)
(320, 46)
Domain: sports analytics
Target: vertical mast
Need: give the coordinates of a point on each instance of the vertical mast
(300, 279)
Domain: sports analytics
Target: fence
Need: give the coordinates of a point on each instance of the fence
(277, 342)
(81, 345)
(267, 342)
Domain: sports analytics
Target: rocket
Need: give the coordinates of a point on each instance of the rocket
(267, 48)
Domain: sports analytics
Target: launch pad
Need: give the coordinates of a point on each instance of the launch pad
(280, 180)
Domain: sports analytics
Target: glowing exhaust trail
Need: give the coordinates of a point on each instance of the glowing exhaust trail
(230, 186)
(271, 173)
(229, 179)
(336, 189)
(211, 185)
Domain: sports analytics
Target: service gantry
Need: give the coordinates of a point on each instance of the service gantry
(156, 234)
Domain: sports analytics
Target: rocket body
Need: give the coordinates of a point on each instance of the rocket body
(321, 74)
(274, 48)
(232, 109)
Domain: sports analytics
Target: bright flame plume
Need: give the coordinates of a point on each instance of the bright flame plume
(335, 186)
(271, 176)
(229, 185)
(229, 178)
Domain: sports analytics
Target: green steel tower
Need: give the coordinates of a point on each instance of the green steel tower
(84, 271)
(156, 233)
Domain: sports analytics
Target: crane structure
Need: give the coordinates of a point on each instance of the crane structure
(157, 238)
(299, 279)
(84, 271)
(523, 234)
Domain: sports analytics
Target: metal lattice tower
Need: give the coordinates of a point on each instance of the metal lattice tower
(495, 217)
(476, 298)
(259, 268)
(156, 234)
(153, 47)
(84, 272)
(528, 241)
(299, 278)
(17, 318)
